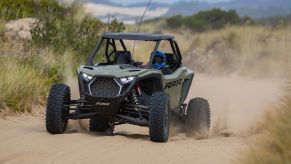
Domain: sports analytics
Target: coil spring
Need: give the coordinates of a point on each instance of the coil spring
(133, 97)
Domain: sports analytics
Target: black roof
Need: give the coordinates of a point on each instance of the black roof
(137, 36)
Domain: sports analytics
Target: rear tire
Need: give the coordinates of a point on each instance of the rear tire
(159, 117)
(56, 111)
(98, 124)
(197, 119)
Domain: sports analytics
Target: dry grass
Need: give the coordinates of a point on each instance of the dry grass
(254, 51)
(25, 75)
(275, 145)
(247, 50)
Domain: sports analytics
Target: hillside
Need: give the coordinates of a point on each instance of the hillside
(255, 9)
(252, 8)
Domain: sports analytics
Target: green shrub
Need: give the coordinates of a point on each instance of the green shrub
(207, 20)
(175, 21)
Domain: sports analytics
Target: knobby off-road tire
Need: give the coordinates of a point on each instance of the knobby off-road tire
(159, 117)
(98, 124)
(56, 111)
(198, 119)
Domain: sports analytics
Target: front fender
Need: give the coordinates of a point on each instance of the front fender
(151, 82)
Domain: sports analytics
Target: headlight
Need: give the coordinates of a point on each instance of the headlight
(126, 80)
(87, 77)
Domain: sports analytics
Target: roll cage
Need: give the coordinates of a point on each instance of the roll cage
(111, 39)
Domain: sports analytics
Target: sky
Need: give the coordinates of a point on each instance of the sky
(162, 1)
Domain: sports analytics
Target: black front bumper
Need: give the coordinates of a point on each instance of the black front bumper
(84, 109)
(103, 105)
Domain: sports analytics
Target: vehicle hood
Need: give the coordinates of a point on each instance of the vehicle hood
(114, 71)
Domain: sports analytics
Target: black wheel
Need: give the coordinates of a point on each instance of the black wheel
(159, 117)
(56, 110)
(98, 124)
(198, 118)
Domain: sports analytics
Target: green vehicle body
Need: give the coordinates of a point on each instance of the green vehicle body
(176, 85)
(121, 90)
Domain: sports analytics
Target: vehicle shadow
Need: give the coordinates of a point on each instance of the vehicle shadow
(132, 136)
(115, 134)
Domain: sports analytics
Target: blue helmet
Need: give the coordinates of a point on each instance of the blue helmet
(159, 61)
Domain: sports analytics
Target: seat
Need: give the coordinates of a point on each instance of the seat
(122, 57)
(170, 59)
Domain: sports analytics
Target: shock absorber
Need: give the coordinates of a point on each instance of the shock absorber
(134, 98)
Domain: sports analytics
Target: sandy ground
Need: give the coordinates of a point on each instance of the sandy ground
(236, 105)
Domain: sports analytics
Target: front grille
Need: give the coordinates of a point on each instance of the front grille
(104, 87)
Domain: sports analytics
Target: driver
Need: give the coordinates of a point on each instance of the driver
(159, 60)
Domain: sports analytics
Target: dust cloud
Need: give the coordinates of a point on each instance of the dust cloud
(237, 103)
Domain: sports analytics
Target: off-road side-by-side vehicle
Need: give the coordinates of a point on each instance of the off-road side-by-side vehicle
(121, 90)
